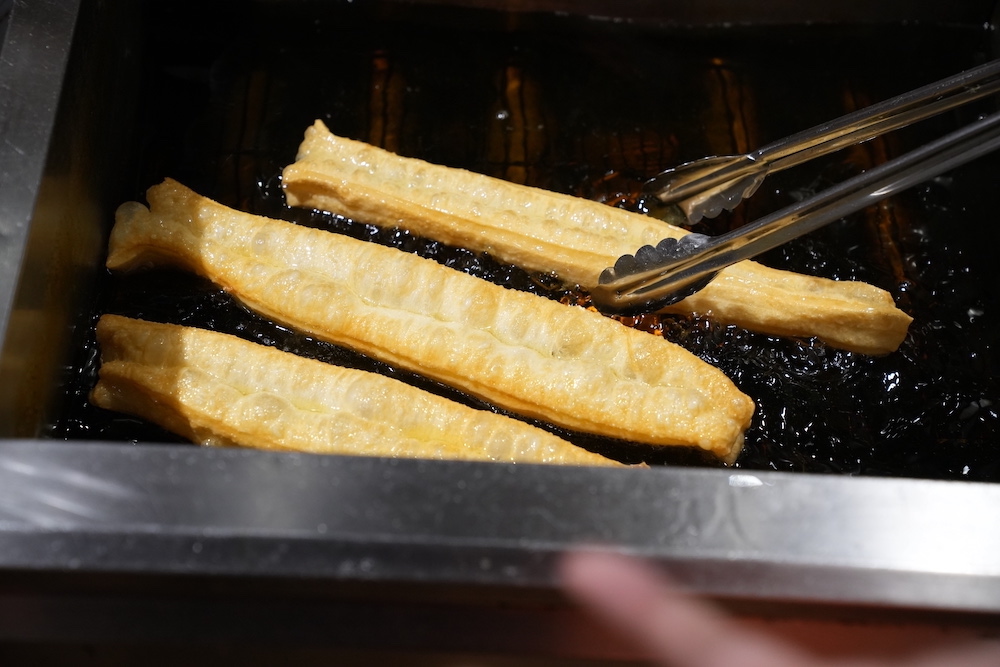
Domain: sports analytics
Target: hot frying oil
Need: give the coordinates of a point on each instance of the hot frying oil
(559, 109)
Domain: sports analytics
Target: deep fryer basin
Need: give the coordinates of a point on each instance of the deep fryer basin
(83, 132)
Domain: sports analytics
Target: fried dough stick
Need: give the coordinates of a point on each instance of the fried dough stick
(525, 353)
(575, 239)
(216, 389)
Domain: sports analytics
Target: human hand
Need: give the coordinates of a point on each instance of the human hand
(679, 630)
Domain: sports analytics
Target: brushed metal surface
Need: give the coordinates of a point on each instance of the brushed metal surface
(177, 509)
(32, 63)
(65, 110)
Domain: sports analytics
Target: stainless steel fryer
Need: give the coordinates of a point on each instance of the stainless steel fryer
(159, 541)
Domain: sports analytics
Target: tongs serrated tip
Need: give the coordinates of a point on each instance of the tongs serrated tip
(620, 288)
(700, 188)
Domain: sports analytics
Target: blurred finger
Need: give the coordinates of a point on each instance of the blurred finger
(979, 654)
(677, 629)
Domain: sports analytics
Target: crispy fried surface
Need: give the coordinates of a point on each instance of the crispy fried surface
(535, 357)
(216, 389)
(574, 238)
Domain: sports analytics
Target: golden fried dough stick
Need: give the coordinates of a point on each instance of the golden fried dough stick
(216, 389)
(528, 354)
(574, 238)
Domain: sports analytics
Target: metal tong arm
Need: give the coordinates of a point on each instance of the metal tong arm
(850, 129)
(648, 284)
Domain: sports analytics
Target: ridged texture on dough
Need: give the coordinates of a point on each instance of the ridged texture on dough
(216, 389)
(575, 239)
(528, 354)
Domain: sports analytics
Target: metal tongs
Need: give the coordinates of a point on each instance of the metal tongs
(658, 276)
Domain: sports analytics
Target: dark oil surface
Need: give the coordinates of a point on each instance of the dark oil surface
(594, 109)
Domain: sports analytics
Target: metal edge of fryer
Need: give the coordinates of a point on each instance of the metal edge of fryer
(33, 60)
(451, 535)
(74, 513)
(33, 56)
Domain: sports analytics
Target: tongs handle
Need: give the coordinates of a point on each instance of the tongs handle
(850, 129)
(645, 283)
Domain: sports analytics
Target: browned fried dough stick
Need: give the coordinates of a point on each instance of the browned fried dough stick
(216, 389)
(575, 239)
(525, 353)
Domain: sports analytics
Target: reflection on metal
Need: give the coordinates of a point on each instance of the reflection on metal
(518, 135)
(887, 220)
(806, 539)
(730, 119)
(241, 138)
(36, 251)
(386, 108)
